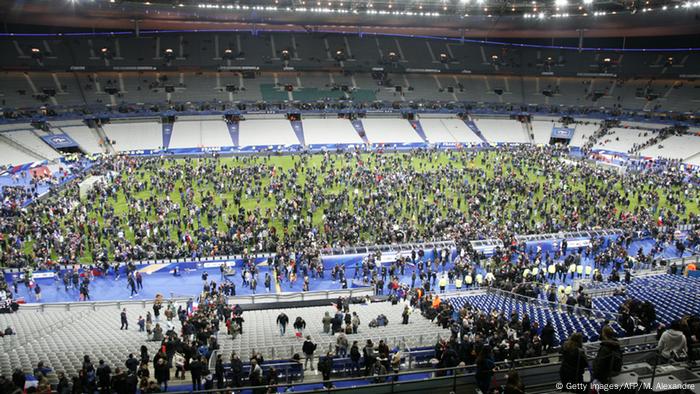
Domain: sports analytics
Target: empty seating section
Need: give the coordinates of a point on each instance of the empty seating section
(31, 89)
(542, 130)
(204, 133)
(664, 291)
(502, 130)
(622, 140)
(330, 131)
(16, 91)
(11, 156)
(29, 140)
(390, 131)
(583, 133)
(564, 323)
(87, 139)
(135, 136)
(643, 125)
(266, 132)
(448, 130)
(22, 144)
(674, 147)
(12, 145)
(317, 50)
(61, 338)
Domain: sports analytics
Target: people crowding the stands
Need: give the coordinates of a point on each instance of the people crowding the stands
(480, 340)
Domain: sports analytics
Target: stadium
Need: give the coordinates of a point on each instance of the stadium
(370, 196)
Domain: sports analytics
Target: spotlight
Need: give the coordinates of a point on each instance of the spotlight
(105, 53)
(36, 53)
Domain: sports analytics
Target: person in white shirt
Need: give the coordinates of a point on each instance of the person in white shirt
(672, 344)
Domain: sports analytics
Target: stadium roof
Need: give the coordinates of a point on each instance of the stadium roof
(494, 18)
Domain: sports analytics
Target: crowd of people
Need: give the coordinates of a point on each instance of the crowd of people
(478, 340)
(299, 206)
(164, 208)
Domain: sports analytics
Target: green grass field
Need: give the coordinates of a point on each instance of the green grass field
(484, 161)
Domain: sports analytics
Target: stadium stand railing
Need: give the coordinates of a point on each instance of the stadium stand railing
(539, 374)
(590, 286)
(554, 306)
(318, 295)
(390, 248)
(568, 235)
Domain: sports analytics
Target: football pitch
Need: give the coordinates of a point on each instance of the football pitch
(498, 186)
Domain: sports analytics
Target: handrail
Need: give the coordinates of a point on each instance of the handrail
(603, 291)
(567, 235)
(242, 299)
(637, 340)
(554, 305)
(364, 249)
(653, 272)
(212, 360)
(448, 374)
